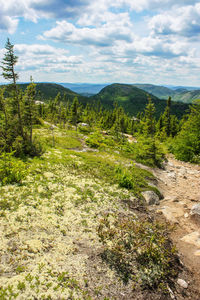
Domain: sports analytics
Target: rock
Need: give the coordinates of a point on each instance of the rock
(195, 211)
(192, 238)
(186, 215)
(150, 197)
(183, 171)
(172, 175)
(182, 283)
(169, 214)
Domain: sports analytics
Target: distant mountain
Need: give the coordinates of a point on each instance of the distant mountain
(180, 94)
(188, 88)
(187, 96)
(161, 92)
(134, 100)
(84, 88)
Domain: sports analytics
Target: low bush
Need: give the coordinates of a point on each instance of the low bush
(12, 170)
(23, 148)
(138, 250)
(99, 141)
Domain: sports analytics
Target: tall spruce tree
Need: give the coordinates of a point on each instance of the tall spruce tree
(8, 63)
(166, 118)
(149, 119)
(8, 66)
(74, 112)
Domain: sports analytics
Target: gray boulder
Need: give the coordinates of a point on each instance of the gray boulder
(150, 197)
(195, 211)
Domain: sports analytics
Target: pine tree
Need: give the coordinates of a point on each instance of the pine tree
(166, 118)
(8, 66)
(186, 145)
(149, 120)
(9, 62)
(74, 112)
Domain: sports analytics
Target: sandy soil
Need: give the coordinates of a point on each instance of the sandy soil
(179, 183)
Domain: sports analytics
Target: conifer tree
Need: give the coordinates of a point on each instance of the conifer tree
(74, 112)
(166, 118)
(8, 66)
(186, 145)
(149, 120)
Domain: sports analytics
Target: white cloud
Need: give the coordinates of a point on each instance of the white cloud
(34, 59)
(8, 24)
(87, 11)
(103, 36)
(184, 21)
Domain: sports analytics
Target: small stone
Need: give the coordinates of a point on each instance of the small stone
(150, 197)
(197, 253)
(186, 215)
(169, 214)
(195, 211)
(182, 283)
(172, 175)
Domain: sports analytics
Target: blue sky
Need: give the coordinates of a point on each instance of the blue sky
(104, 41)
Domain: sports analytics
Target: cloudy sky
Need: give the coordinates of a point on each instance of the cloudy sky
(104, 41)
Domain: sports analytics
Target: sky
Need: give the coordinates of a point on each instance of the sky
(104, 41)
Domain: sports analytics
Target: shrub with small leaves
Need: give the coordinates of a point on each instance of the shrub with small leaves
(12, 170)
(137, 250)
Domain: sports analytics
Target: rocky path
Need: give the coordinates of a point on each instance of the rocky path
(179, 183)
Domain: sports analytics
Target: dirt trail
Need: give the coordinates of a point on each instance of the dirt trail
(179, 183)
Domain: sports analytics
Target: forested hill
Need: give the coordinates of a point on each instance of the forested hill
(46, 91)
(134, 100)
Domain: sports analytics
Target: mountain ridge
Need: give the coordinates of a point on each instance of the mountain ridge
(134, 100)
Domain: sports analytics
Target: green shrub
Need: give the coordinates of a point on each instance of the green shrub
(12, 170)
(147, 151)
(124, 178)
(95, 140)
(99, 141)
(25, 147)
(138, 250)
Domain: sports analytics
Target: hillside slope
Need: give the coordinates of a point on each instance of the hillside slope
(45, 91)
(134, 100)
(73, 230)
